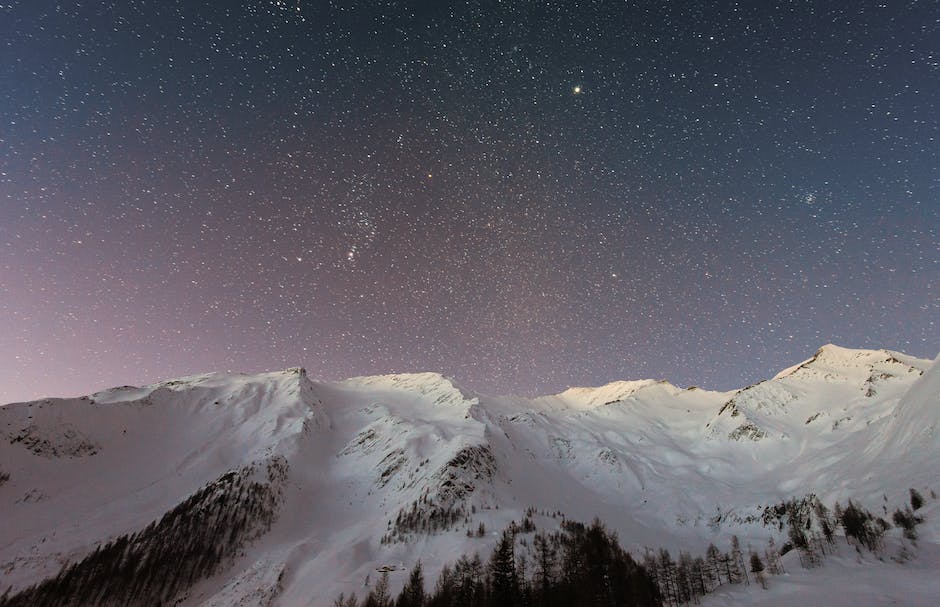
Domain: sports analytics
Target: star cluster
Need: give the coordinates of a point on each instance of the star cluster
(521, 195)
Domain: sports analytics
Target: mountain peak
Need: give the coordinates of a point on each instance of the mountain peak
(372, 472)
(589, 397)
(831, 357)
(443, 390)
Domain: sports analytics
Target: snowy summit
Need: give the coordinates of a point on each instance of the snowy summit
(301, 490)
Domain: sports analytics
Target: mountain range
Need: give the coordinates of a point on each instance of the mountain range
(304, 489)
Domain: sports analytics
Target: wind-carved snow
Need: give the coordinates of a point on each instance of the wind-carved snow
(432, 387)
(614, 392)
(749, 414)
(388, 469)
(834, 362)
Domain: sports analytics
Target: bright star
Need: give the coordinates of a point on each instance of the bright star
(577, 89)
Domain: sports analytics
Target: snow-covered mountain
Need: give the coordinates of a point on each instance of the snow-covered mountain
(314, 486)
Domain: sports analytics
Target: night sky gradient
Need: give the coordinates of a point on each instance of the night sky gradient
(521, 195)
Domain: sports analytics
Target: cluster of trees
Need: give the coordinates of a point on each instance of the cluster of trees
(425, 517)
(584, 565)
(579, 565)
(781, 514)
(70, 444)
(190, 542)
(687, 579)
(443, 510)
(907, 519)
(527, 526)
(810, 527)
(861, 526)
(812, 531)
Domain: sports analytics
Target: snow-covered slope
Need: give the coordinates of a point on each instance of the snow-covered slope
(376, 472)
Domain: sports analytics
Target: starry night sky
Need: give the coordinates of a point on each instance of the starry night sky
(521, 195)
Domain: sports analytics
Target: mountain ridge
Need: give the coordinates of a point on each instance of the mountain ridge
(381, 470)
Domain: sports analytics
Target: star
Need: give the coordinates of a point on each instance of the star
(431, 170)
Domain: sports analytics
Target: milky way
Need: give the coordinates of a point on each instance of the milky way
(521, 195)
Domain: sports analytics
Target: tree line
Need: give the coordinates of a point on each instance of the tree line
(192, 541)
(444, 510)
(578, 565)
(585, 565)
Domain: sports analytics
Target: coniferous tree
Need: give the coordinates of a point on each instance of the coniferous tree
(522, 572)
(544, 567)
(860, 525)
(600, 561)
(445, 589)
(684, 578)
(468, 581)
(503, 571)
(595, 572)
(771, 557)
(667, 578)
(603, 573)
(727, 564)
(412, 595)
(190, 542)
(379, 596)
(908, 521)
(757, 568)
(343, 601)
(826, 524)
(797, 534)
(699, 579)
(715, 566)
(738, 557)
(652, 569)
